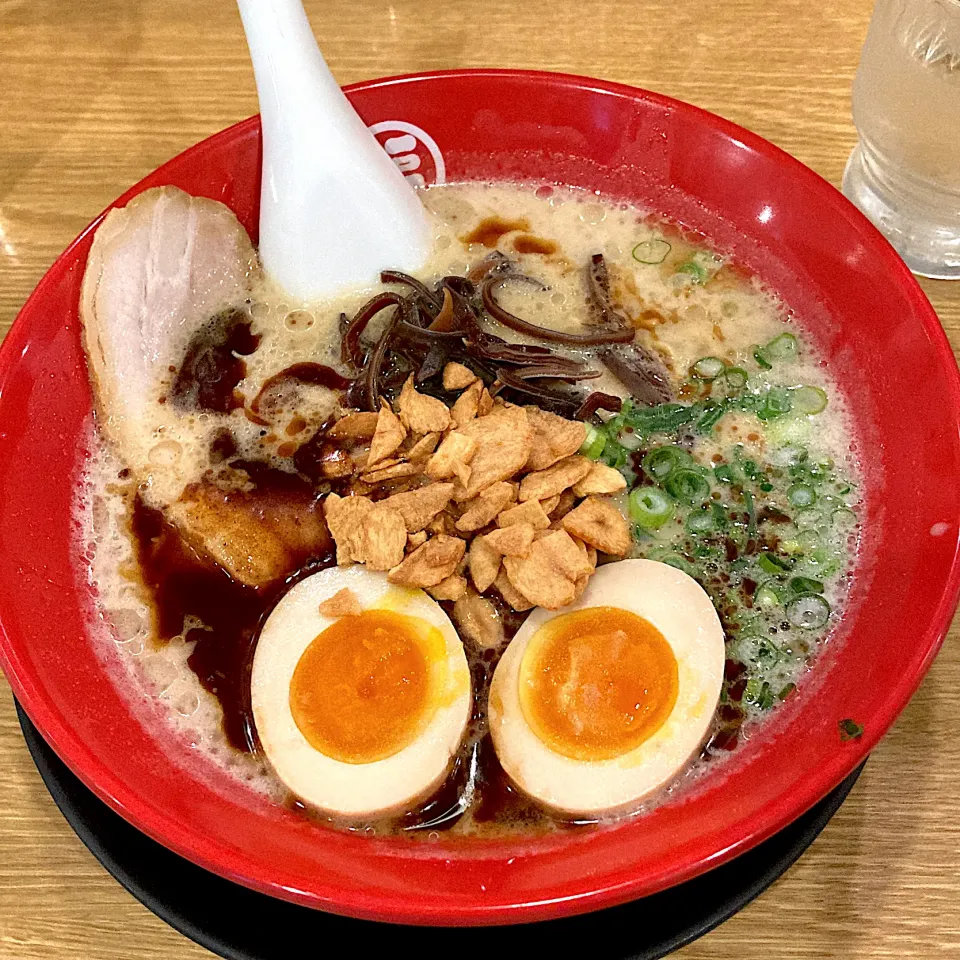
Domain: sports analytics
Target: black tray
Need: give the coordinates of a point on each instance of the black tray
(240, 924)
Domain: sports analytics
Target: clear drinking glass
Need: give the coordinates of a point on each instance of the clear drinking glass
(904, 173)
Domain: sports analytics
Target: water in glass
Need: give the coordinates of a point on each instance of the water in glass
(905, 170)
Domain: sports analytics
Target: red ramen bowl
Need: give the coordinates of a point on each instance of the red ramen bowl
(849, 289)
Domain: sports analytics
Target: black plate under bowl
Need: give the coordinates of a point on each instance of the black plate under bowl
(240, 924)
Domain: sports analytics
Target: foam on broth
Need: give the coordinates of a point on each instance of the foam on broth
(721, 318)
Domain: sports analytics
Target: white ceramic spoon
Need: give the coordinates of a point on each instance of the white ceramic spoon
(334, 208)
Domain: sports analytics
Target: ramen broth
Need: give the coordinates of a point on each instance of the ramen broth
(184, 634)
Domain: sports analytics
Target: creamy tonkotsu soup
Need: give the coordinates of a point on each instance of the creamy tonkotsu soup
(380, 557)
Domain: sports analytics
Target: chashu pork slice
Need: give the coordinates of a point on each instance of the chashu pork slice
(158, 270)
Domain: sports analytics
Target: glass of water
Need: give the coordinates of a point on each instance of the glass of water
(904, 173)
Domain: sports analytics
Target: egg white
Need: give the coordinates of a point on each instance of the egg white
(354, 790)
(679, 608)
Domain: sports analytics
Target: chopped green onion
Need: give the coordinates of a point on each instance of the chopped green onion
(844, 518)
(808, 612)
(783, 347)
(724, 473)
(766, 486)
(664, 418)
(708, 368)
(650, 508)
(804, 585)
(616, 423)
(593, 445)
(766, 596)
(850, 729)
(671, 559)
(736, 377)
(687, 486)
(786, 691)
(651, 251)
(821, 554)
(776, 403)
(694, 270)
(768, 650)
(809, 539)
(662, 461)
(759, 692)
(719, 515)
(614, 455)
(789, 455)
(757, 647)
(826, 563)
(771, 563)
(761, 360)
(712, 414)
(710, 263)
(700, 522)
(808, 519)
(751, 514)
(802, 495)
(809, 400)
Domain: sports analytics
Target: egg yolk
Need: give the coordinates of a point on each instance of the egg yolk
(597, 683)
(362, 690)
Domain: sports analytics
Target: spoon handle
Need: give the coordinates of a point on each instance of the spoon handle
(334, 208)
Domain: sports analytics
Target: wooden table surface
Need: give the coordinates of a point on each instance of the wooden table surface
(96, 93)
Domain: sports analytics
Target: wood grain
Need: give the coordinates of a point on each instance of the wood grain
(99, 92)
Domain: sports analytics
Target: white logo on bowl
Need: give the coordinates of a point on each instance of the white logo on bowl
(413, 150)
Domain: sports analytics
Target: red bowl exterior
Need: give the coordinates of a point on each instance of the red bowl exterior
(831, 267)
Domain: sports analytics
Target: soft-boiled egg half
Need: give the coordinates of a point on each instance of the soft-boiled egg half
(596, 705)
(360, 714)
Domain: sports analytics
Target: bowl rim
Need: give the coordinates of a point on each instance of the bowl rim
(150, 817)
